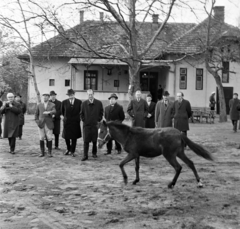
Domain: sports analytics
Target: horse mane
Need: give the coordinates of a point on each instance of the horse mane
(119, 125)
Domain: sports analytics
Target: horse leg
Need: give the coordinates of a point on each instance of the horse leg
(125, 161)
(174, 163)
(190, 164)
(137, 170)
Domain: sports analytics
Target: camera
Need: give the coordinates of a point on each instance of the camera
(7, 104)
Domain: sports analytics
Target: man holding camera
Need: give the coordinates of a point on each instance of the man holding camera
(44, 119)
(11, 109)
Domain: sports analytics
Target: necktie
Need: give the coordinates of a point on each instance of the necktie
(165, 104)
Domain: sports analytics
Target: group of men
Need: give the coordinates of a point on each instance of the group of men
(144, 113)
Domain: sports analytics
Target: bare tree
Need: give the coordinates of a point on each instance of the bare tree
(221, 46)
(20, 29)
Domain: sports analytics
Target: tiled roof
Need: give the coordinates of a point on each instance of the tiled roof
(100, 34)
(194, 41)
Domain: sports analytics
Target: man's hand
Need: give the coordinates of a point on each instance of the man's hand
(149, 115)
(46, 112)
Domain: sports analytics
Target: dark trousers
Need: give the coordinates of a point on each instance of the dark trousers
(185, 133)
(12, 143)
(234, 122)
(20, 130)
(109, 145)
(71, 145)
(56, 140)
(0, 126)
(86, 148)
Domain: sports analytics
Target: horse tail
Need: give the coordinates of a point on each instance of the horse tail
(199, 150)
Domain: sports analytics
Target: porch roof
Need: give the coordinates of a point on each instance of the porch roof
(92, 61)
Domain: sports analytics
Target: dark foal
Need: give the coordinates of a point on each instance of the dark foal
(137, 141)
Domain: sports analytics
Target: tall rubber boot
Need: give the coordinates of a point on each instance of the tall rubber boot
(42, 148)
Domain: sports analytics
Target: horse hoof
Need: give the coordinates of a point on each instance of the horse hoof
(125, 181)
(135, 182)
(200, 184)
(171, 186)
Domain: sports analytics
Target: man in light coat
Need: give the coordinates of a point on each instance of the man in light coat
(164, 112)
(91, 115)
(44, 120)
(138, 110)
(11, 109)
(149, 123)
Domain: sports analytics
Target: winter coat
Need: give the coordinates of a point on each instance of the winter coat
(57, 117)
(114, 113)
(164, 114)
(11, 120)
(234, 113)
(71, 119)
(182, 112)
(42, 119)
(150, 122)
(138, 111)
(91, 115)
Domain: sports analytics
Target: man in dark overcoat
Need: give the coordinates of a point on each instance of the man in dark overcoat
(164, 112)
(151, 112)
(44, 119)
(56, 117)
(11, 109)
(234, 104)
(18, 98)
(138, 110)
(182, 112)
(114, 112)
(91, 115)
(71, 109)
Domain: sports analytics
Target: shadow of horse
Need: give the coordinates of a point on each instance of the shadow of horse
(137, 141)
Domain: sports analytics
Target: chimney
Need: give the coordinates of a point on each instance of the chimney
(219, 13)
(81, 12)
(155, 18)
(60, 29)
(101, 16)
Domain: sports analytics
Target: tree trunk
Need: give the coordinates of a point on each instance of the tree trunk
(222, 103)
(32, 69)
(134, 82)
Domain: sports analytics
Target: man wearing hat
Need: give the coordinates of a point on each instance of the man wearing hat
(182, 112)
(114, 112)
(234, 104)
(56, 117)
(71, 109)
(164, 112)
(138, 110)
(151, 112)
(91, 115)
(44, 120)
(11, 109)
(18, 98)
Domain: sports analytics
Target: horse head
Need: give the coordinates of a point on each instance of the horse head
(103, 134)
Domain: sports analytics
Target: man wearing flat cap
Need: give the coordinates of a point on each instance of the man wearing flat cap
(150, 122)
(18, 98)
(71, 109)
(44, 119)
(11, 109)
(56, 118)
(164, 112)
(114, 112)
(138, 110)
(234, 104)
(91, 115)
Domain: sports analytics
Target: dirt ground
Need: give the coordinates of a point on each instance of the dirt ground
(64, 193)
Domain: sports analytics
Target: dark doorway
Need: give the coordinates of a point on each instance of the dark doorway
(149, 82)
(228, 94)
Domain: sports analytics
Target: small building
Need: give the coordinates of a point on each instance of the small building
(61, 64)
